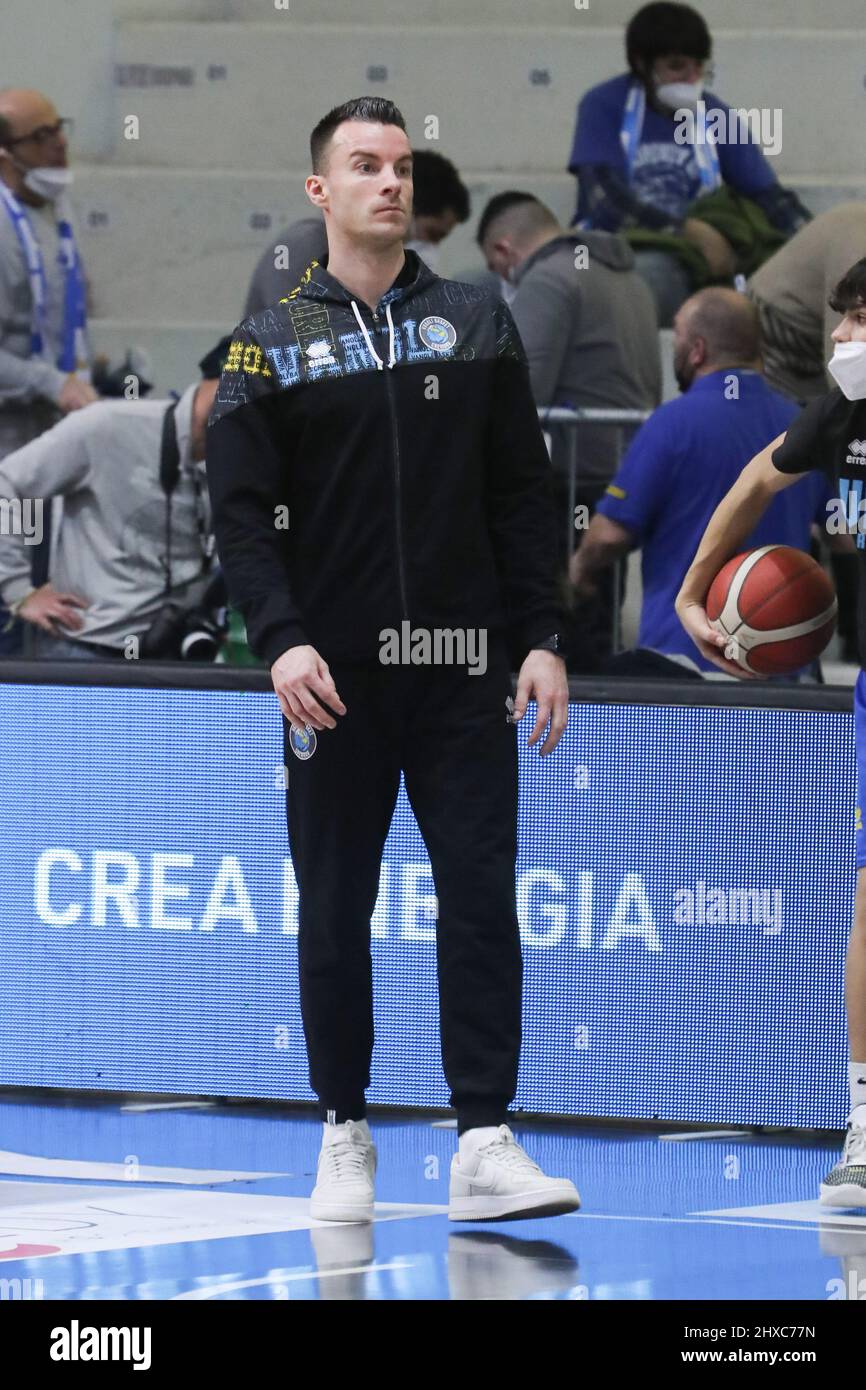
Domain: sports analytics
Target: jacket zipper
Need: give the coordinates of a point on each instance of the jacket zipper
(392, 410)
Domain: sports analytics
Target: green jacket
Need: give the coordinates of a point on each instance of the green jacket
(739, 220)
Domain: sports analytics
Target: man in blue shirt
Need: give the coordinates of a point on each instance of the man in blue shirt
(686, 457)
(635, 169)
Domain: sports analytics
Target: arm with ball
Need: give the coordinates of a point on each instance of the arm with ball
(734, 519)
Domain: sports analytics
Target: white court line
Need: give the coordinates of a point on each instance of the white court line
(212, 1289)
(708, 1134)
(710, 1221)
(811, 1211)
(35, 1166)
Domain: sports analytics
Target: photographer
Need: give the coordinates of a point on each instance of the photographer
(132, 572)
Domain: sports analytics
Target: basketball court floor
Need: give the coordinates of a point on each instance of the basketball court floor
(136, 1199)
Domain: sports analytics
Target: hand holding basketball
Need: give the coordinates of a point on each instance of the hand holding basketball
(709, 641)
(776, 608)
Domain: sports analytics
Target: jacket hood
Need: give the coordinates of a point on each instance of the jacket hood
(611, 250)
(317, 283)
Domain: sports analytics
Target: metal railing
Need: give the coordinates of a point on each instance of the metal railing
(619, 421)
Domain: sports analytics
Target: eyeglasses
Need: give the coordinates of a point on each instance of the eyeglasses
(44, 133)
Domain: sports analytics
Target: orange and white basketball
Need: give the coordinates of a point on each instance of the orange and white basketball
(778, 607)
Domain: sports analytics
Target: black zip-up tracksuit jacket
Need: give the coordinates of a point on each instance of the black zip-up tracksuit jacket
(368, 468)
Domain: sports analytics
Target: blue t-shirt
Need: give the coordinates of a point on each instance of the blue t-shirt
(665, 174)
(680, 465)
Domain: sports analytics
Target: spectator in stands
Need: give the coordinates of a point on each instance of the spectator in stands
(683, 461)
(588, 324)
(635, 174)
(792, 291)
(440, 201)
(44, 355)
(121, 551)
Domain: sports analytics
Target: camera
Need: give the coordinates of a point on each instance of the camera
(180, 632)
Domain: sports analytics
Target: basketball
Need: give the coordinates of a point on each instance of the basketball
(778, 607)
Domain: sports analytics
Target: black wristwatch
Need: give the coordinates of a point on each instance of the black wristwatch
(554, 643)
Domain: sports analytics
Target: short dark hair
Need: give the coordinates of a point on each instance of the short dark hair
(663, 28)
(850, 293)
(377, 110)
(438, 186)
(212, 363)
(6, 130)
(496, 206)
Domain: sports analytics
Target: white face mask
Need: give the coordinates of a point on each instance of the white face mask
(48, 182)
(427, 250)
(847, 367)
(676, 95)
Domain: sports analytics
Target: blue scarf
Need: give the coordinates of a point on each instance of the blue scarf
(72, 356)
(706, 156)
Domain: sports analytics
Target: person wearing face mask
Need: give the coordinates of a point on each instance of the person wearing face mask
(440, 203)
(680, 464)
(122, 551)
(634, 174)
(45, 359)
(828, 438)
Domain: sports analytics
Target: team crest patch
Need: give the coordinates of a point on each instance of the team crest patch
(303, 742)
(436, 333)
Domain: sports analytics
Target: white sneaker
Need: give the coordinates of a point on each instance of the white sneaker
(344, 1180)
(845, 1185)
(493, 1177)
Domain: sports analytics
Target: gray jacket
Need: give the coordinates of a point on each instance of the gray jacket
(104, 461)
(306, 241)
(591, 336)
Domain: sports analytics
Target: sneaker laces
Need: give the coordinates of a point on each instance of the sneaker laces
(505, 1149)
(347, 1158)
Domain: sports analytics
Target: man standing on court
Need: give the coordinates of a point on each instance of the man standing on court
(382, 506)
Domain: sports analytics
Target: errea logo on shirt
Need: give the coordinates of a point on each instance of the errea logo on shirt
(857, 451)
(321, 352)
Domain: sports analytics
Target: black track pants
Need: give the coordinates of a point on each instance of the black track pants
(447, 730)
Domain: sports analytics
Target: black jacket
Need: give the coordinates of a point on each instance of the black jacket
(350, 495)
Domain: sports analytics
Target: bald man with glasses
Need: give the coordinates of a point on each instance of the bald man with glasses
(45, 358)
